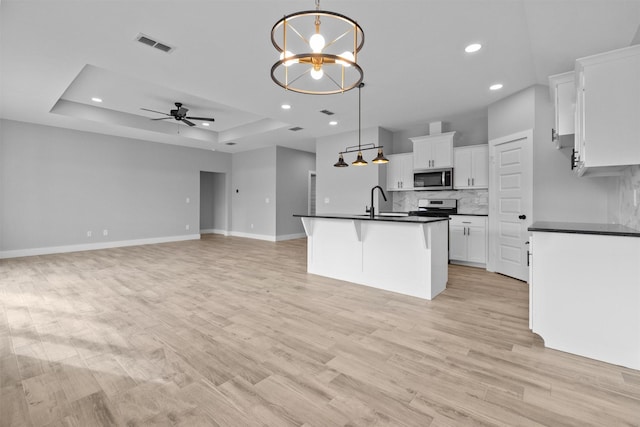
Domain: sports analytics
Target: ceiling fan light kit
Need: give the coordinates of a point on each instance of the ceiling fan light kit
(180, 114)
(318, 52)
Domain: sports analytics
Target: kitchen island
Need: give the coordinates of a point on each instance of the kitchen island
(403, 254)
(584, 289)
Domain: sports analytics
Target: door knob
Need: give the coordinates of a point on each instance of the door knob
(522, 217)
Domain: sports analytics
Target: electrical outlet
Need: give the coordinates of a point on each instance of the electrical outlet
(89, 233)
(326, 200)
(266, 200)
(186, 227)
(188, 200)
(105, 232)
(252, 226)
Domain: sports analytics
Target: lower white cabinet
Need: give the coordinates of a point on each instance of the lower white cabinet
(468, 240)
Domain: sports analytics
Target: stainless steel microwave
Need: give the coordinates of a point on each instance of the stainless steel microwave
(433, 179)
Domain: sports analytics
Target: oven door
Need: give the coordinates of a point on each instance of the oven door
(440, 179)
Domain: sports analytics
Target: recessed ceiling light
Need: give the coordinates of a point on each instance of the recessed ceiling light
(205, 124)
(333, 123)
(474, 47)
(496, 86)
(285, 106)
(94, 99)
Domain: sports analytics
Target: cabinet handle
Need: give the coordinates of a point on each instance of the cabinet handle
(473, 181)
(554, 135)
(468, 181)
(464, 231)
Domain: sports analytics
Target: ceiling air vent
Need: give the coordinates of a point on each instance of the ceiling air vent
(295, 129)
(327, 112)
(150, 41)
(230, 143)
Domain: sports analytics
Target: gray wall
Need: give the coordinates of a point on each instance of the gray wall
(213, 206)
(348, 190)
(292, 180)
(254, 193)
(558, 195)
(57, 184)
(470, 127)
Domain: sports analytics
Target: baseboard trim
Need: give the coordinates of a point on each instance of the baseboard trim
(94, 246)
(253, 236)
(290, 236)
(214, 231)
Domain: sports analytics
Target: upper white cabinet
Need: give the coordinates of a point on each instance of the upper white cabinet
(471, 167)
(433, 151)
(607, 133)
(400, 172)
(562, 89)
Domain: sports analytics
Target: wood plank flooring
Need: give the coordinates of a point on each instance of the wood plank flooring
(233, 332)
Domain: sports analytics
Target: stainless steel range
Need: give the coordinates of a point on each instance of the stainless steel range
(436, 207)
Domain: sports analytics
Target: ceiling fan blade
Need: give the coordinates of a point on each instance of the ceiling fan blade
(162, 118)
(154, 111)
(188, 122)
(207, 119)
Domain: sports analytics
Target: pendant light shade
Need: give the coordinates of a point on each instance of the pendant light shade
(341, 163)
(359, 160)
(380, 158)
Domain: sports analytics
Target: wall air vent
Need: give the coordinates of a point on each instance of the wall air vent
(327, 112)
(295, 129)
(150, 41)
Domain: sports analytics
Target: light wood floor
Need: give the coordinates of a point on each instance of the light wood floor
(234, 332)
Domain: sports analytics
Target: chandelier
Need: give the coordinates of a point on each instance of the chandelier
(318, 52)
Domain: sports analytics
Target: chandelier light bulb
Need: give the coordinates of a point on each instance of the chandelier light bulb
(317, 73)
(287, 54)
(346, 55)
(317, 43)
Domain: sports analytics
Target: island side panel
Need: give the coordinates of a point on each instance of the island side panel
(395, 259)
(334, 249)
(585, 295)
(439, 256)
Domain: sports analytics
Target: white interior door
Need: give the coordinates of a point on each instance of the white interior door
(510, 200)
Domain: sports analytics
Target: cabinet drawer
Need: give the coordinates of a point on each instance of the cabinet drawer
(468, 220)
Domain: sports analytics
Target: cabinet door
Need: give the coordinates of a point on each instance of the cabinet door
(480, 167)
(457, 242)
(461, 168)
(477, 244)
(394, 172)
(442, 153)
(406, 173)
(422, 155)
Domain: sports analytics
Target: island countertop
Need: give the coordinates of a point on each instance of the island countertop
(584, 228)
(384, 217)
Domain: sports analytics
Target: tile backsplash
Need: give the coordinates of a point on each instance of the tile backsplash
(469, 201)
(629, 183)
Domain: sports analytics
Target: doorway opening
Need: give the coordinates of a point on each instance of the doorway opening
(213, 204)
(311, 205)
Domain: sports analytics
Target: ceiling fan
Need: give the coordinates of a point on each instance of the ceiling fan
(180, 114)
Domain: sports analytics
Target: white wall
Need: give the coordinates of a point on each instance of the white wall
(253, 194)
(292, 174)
(470, 128)
(58, 184)
(348, 190)
(558, 195)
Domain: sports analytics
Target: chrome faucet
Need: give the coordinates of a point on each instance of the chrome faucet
(372, 211)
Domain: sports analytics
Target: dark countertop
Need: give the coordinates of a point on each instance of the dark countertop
(365, 217)
(584, 228)
(469, 214)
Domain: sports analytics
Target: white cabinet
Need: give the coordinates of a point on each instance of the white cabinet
(471, 167)
(562, 89)
(584, 296)
(400, 172)
(607, 133)
(433, 151)
(468, 240)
